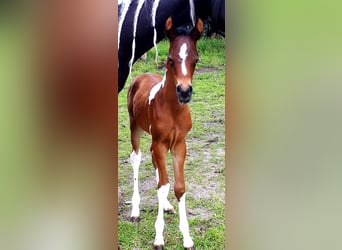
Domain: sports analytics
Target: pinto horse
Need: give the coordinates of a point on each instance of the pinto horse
(159, 107)
(141, 25)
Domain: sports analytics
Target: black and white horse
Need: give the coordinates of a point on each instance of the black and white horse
(141, 25)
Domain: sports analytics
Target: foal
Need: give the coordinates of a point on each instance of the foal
(159, 107)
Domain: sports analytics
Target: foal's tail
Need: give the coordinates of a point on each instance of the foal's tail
(130, 95)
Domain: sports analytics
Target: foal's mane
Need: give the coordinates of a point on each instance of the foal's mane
(184, 30)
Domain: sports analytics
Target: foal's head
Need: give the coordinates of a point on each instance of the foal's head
(182, 57)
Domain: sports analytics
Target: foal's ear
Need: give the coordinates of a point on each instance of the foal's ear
(170, 30)
(197, 31)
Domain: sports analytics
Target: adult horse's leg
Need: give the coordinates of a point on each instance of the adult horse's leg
(178, 154)
(135, 159)
(158, 151)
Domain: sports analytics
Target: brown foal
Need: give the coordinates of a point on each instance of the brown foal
(159, 107)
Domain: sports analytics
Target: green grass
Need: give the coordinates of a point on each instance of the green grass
(204, 166)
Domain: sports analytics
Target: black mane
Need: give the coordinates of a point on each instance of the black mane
(184, 30)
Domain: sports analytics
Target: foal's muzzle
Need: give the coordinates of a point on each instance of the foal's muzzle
(184, 96)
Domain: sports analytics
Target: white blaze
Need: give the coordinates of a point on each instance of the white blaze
(155, 89)
(183, 53)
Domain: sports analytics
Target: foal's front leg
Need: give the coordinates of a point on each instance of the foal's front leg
(168, 208)
(158, 151)
(179, 153)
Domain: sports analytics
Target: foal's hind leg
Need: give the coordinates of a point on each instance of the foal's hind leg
(135, 159)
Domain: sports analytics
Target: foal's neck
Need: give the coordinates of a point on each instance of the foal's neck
(169, 90)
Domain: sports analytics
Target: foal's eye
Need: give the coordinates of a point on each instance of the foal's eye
(195, 61)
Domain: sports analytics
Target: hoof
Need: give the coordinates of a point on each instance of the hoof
(189, 248)
(135, 219)
(158, 247)
(170, 211)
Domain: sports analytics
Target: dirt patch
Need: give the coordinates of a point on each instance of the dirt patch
(206, 70)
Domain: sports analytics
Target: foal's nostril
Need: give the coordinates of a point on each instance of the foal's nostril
(184, 96)
(187, 91)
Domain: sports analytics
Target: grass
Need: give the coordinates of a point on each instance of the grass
(204, 166)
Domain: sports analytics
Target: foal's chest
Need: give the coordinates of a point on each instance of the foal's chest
(170, 124)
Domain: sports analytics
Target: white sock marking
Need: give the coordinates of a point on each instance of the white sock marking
(157, 176)
(159, 225)
(135, 21)
(167, 205)
(156, 88)
(183, 223)
(192, 11)
(135, 160)
(154, 13)
(183, 53)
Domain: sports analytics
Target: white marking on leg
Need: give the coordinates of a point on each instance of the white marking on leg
(154, 13)
(183, 223)
(157, 176)
(156, 88)
(167, 205)
(183, 53)
(135, 160)
(192, 11)
(159, 225)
